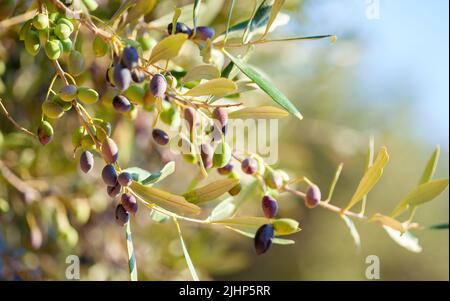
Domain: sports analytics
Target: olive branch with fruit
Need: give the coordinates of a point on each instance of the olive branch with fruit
(144, 76)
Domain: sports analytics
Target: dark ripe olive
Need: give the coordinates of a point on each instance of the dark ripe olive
(125, 178)
(109, 175)
(263, 238)
(312, 197)
(269, 206)
(130, 57)
(235, 190)
(220, 116)
(45, 132)
(158, 85)
(110, 151)
(129, 203)
(273, 179)
(113, 191)
(189, 117)
(121, 104)
(179, 28)
(122, 216)
(86, 161)
(249, 166)
(121, 77)
(137, 76)
(160, 137)
(204, 33)
(226, 169)
(207, 152)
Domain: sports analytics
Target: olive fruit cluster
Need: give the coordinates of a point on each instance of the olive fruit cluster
(201, 32)
(124, 70)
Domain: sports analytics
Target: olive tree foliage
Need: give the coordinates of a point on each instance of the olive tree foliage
(190, 109)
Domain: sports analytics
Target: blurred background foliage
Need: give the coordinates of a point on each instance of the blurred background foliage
(50, 210)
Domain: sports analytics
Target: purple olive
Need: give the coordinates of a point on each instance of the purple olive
(226, 169)
(158, 85)
(110, 151)
(130, 57)
(122, 216)
(125, 178)
(269, 206)
(313, 195)
(189, 117)
(137, 75)
(263, 238)
(113, 191)
(109, 175)
(129, 203)
(86, 161)
(179, 28)
(204, 33)
(220, 116)
(207, 152)
(249, 166)
(160, 137)
(121, 77)
(121, 104)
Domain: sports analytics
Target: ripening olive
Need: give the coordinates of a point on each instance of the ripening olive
(40, 21)
(125, 178)
(31, 41)
(51, 109)
(109, 175)
(100, 47)
(129, 203)
(122, 216)
(130, 57)
(62, 31)
(87, 95)
(158, 85)
(263, 238)
(149, 101)
(121, 104)
(110, 151)
(121, 77)
(312, 197)
(45, 132)
(222, 155)
(179, 28)
(226, 169)
(273, 179)
(113, 191)
(206, 153)
(235, 190)
(137, 75)
(86, 161)
(220, 116)
(77, 136)
(249, 166)
(269, 206)
(160, 137)
(68, 92)
(204, 33)
(75, 63)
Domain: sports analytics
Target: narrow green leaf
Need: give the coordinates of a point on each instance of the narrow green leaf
(273, 14)
(186, 254)
(353, 231)
(431, 166)
(176, 15)
(158, 216)
(259, 19)
(131, 256)
(421, 194)
(227, 70)
(210, 191)
(230, 13)
(332, 38)
(195, 13)
(273, 92)
(438, 227)
(369, 163)
(407, 240)
(262, 112)
(337, 174)
(216, 86)
(146, 178)
(370, 178)
(275, 240)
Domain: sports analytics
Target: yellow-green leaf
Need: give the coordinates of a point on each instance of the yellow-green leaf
(353, 231)
(168, 47)
(431, 166)
(202, 72)
(245, 223)
(388, 222)
(210, 191)
(276, 7)
(275, 240)
(264, 112)
(186, 254)
(217, 86)
(176, 15)
(421, 194)
(370, 178)
(407, 240)
(285, 226)
(164, 199)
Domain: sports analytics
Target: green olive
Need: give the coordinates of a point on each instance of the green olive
(62, 31)
(40, 21)
(53, 49)
(52, 110)
(66, 106)
(87, 95)
(66, 22)
(77, 136)
(24, 29)
(32, 42)
(67, 45)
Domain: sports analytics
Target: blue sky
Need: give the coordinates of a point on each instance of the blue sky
(408, 45)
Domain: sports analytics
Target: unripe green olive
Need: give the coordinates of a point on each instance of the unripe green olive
(75, 63)
(67, 45)
(68, 92)
(31, 41)
(66, 106)
(103, 130)
(53, 17)
(273, 179)
(66, 22)
(52, 110)
(62, 31)
(146, 42)
(53, 49)
(40, 21)
(43, 36)
(77, 136)
(86, 142)
(285, 226)
(87, 95)
(91, 5)
(24, 29)
(135, 94)
(45, 132)
(100, 47)
(222, 155)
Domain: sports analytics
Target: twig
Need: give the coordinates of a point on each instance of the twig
(17, 19)
(11, 178)
(18, 126)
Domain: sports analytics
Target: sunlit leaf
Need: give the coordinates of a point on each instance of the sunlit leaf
(263, 112)
(275, 240)
(388, 222)
(202, 72)
(195, 12)
(407, 240)
(259, 19)
(421, 194)
(217, 86)
(186, 254)
(168, 47)
(176, 15)
(273, 92)
(251, 224)
(145, 177)
(131, 256)
(285, 226)
(353, 231)
(210, 191)
(337, 174)
(428, 172)
(276, 7)
(164, 199)
(370, 178)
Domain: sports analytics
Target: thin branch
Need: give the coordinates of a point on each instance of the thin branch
(15, 181)
(18, 126)
(17, 19)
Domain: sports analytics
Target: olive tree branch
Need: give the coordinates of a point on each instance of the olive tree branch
(18, 126)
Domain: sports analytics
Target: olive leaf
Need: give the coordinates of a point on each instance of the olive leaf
(131, 254)
(337, 174)
(275, 240)
(176, 15)
(388, 221)
(407, 240)
(353, 231)
(370, 178)
(210, 191)
(421, 194)
(199, 72)
(263, 112)
(146, 178)
(438, 227)
(273, 92)
(282, 226)
(276, 7)
(217, 86)
(428, 172)
(195, 12)
(168, 47)
(186, 253)
(164, 199)
(158, 216)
